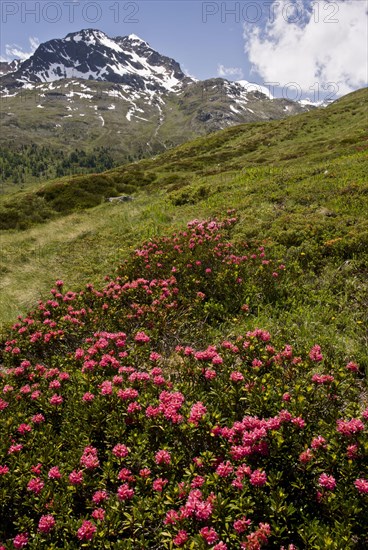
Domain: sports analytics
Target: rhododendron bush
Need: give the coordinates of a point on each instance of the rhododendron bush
(124, 427)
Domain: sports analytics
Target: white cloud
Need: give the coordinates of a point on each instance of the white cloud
(316, 42)
(234, 73)
(13, 51)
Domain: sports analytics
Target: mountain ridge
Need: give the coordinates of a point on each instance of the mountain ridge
(88, 91)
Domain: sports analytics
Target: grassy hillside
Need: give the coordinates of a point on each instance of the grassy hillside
(143, 414)
(188, 369)
(44, 131)
(297, 184)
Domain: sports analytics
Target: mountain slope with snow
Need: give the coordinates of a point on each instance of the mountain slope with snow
(89, 90)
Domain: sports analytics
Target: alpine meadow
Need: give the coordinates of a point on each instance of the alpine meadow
(183, 347)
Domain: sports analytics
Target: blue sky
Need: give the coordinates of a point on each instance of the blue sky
(309, 47)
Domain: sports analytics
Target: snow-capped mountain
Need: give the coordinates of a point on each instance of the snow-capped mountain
(9, 66)
(88, 88)
(91, 55)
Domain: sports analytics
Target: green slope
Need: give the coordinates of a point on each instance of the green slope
(297, 184)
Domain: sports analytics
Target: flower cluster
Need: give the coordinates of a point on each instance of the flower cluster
(122, 420)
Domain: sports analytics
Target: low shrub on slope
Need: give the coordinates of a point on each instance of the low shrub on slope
(123, 426)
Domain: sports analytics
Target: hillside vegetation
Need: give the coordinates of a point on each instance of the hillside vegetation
(127, 425)
(298, 184)
(197, 377)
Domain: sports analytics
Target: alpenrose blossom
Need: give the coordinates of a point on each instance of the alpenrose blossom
(56, 400)
(327, 482)
(209, 535)
(99, 496)
(46, 524)
(125, 492)
(21, 540)
(87, 530)
(35, 485)
(353, 367)
(258, 478)
(162, 457)
(120, 450)
(362, 485)
(349, 427)
(99, 514)
(315, 354)
(76, 478)
(159, 484)
(241, 525)
(54, 473)
(181, 538)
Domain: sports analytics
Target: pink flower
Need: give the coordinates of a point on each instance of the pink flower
(145, 472)
(181, 538)
(125, 475)
(15, 448)
(224, 469)
(322, 378)
(162, 457)
(315, 354)
(159, 484)
(24, 428)
(209, 374)
(133, 407)
(171, 518)
(220, 546)
(352, 451)
(209, 535)
(328, 482)
(349, 427)
(141, 337)
(54, 473)
(35, 395)
(86, 531)
(35, 485)
(125, 492)
(258, 478)
(46, 524)
(76, 478)
(3, 470)
(236, 376)
(89, 459)
(241, 525)
(99, 496)
(197, 412)
(99, 514)
(197, 481)
(362, 485)
(21, 540)
(56, 399)
(120, 450)
(127, 393)
(299, 422)
(106, 388)
(306, 456)
(38, 418)
(353, 367)
(3, 404)
(88, 396)
(318, 442)
(286, 397)
(37, 469)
